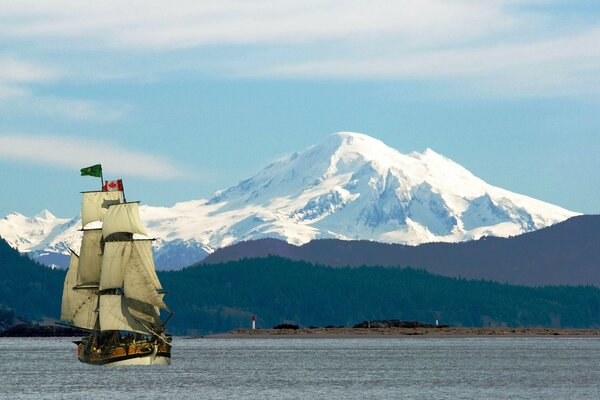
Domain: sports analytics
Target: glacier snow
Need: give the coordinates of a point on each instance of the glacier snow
(351, 186)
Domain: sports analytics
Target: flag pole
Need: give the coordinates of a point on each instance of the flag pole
(101, 179)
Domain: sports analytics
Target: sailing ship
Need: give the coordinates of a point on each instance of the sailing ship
(111, 288)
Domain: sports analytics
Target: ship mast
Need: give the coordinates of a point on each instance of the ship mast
(80, 293)
(129, 287)
(112, 284)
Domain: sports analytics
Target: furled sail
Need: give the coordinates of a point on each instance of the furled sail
(115, 315)
(124, 217)
(140, 280)
(95, 205)
(114, 262)
(90, 258)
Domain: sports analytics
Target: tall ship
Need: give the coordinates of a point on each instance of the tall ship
(111, 288)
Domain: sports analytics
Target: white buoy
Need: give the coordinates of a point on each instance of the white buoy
(437, 322)
(253, 322)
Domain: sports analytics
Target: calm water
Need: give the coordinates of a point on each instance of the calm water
(417, 368)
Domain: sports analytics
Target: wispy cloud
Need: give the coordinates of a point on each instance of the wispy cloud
(17, 94)
(69, 108)
(10, 92)
(552, 64)
(191, 23)
(15, 70)
(500, 45)
(74, 153)
(15, 74)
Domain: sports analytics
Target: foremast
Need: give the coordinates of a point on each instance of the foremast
(80, 292)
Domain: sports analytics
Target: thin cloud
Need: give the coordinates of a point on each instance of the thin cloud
(16, 70)
(191, 23)
(498, 45)
(17, 79)
(17, 100)
(559, 64)
(76, 109)
(73, 153)
(9, 92)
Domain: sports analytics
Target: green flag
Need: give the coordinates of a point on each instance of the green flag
(94, 170)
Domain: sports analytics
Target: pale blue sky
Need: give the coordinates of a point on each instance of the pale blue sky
(182, 101)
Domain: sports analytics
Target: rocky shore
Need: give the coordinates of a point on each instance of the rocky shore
(325, 333)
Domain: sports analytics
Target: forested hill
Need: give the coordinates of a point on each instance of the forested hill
(217, 298)
(563, 254)
(27, 289)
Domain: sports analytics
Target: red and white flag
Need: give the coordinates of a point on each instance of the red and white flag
(113, 186)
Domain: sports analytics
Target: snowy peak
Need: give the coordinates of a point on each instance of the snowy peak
(27, 233)
(341, 153)
(354, 186)
(45, 215)
(350, 186)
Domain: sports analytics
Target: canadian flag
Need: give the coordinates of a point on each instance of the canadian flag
(113, 186)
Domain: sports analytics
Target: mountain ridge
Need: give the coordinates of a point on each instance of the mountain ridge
(350, 186)
(562, 254)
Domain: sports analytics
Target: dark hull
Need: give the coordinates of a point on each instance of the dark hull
(126, 354)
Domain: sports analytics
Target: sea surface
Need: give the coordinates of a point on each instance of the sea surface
(387, 368)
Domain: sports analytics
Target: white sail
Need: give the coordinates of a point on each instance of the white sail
(115, 316)
(84, 311)
(124, 217)
(114, 262)
(95, 205)
(144, 311)
(78, 306)
(90, 258)
(140, 280)
(144, 251)
(66, 309)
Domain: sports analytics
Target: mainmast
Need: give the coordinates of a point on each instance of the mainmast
(80, 293)
(129, 287)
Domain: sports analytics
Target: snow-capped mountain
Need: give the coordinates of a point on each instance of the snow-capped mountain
(351, 186)
(43, 236)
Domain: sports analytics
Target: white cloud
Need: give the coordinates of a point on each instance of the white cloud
(189, 23)
(17, 77)
(470, 61)
(75, 153)
(75, 109)
(9, 92)
(15, 70)
(15, 74)
(19, 101)
(490, 44)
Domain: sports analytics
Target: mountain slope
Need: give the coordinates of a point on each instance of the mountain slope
(564, 254)
(351, 186)
(355, 187)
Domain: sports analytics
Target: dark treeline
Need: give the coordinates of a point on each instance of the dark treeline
(563, 254)
(217, 298)
(221, 297)
(28, 290)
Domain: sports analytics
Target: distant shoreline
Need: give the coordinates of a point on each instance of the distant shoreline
(358, 333)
